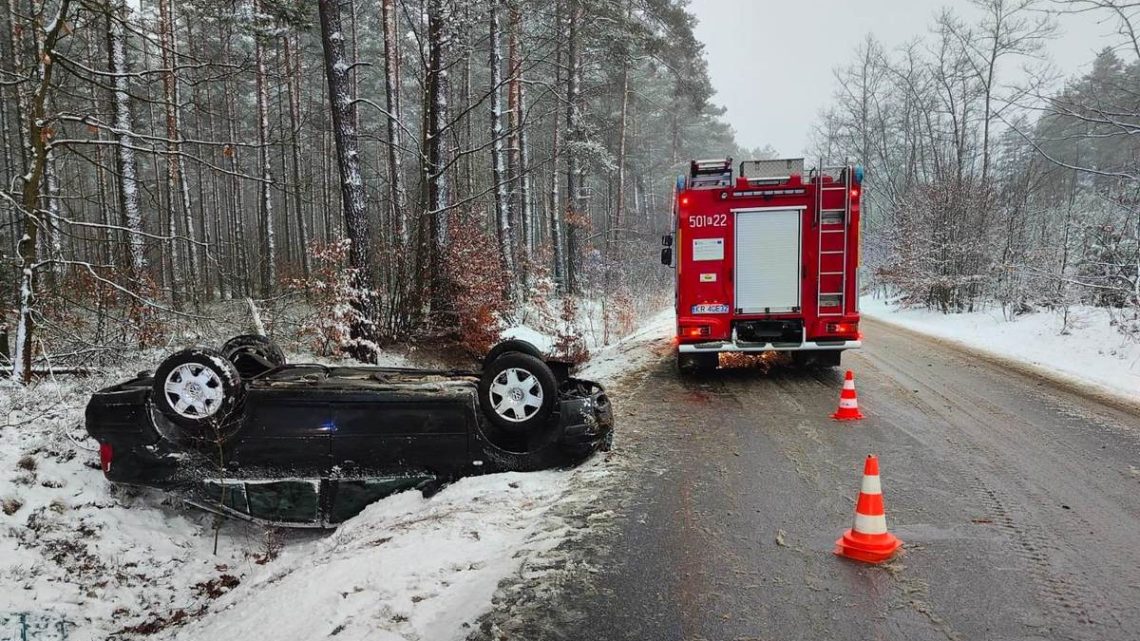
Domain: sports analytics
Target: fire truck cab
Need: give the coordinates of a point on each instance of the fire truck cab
(766, 259)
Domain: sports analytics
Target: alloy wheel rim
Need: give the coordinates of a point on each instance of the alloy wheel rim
(516, 395)
(193, 391)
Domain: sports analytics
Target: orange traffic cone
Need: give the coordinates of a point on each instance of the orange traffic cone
(848, 401)
(869, 540)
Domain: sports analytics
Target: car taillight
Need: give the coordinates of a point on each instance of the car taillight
(106, 454)
(694, 332)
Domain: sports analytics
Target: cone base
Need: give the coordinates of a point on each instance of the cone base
(848, 415)
(848, 546)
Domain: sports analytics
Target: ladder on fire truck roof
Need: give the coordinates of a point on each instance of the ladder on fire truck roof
(831, 223)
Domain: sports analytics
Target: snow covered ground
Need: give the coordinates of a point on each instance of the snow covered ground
(609, 362)
(631, 352)
(1092, 352)
(81, 559)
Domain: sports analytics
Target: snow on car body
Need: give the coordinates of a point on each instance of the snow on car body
(765, 262)
(242, 433)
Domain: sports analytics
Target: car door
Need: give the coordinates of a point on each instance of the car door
(285, 431)
(400, 432)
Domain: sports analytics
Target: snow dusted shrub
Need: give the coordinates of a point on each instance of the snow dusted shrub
(569, 345)
(11, 505)
(540, 307)
(620, 313)
(76, 313)
(477, 285)
(337, 301)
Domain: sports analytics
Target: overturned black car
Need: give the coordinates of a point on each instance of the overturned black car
(240, 432)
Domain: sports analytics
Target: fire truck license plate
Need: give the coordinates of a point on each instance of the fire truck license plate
(710, 309)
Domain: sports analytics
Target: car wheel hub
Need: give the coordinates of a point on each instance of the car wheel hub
(516, 395)
(193, 390)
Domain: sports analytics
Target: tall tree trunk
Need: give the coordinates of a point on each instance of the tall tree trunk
(397, 198)
(38, 137)
(520, 154)
(526, 214)
(293, 73)
(573, 137)
(498, 160)
(125, 152)
(343, 112)
(514, 175)
(239, 249)
(264, 186)
(556, 208)
(614, 235)
(178, 191)
(435, 169)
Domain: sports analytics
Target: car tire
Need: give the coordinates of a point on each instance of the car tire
(518, 392)
(197, 389)
(253, 354)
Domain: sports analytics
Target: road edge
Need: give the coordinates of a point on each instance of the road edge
(1072, 384)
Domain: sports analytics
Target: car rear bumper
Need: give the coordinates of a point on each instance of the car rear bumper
(737, 346)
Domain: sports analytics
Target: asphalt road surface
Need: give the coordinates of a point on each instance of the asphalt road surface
(1018, 499)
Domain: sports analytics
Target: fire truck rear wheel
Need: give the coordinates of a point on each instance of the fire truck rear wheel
(823, 358)
(697, 363)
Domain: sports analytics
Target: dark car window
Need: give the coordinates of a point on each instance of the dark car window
(230, 494)
(283, 501)
(354, 496)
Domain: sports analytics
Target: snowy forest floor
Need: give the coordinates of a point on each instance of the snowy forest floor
(81, 559)
(1092, 352)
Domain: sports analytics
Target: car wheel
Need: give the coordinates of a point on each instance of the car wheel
(692, 364)
(197, 388)
(253, 354)
(517, 392)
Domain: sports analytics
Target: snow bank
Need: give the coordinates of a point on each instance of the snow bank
(1093, 352)
(405, 568)
(544, 342)
(80, 559)
(648, 343)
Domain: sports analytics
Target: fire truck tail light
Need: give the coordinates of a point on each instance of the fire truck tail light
(698, 331)
(854, 193)
(842, 328)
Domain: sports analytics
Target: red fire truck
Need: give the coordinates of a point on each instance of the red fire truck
(766, 259)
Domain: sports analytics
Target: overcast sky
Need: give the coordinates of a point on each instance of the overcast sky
(771, 61)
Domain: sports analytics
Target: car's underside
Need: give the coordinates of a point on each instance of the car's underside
(359, 431)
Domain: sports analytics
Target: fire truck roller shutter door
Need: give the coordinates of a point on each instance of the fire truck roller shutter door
(768, 260)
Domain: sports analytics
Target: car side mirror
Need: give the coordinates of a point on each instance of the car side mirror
(667, 240)
(667, 256)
